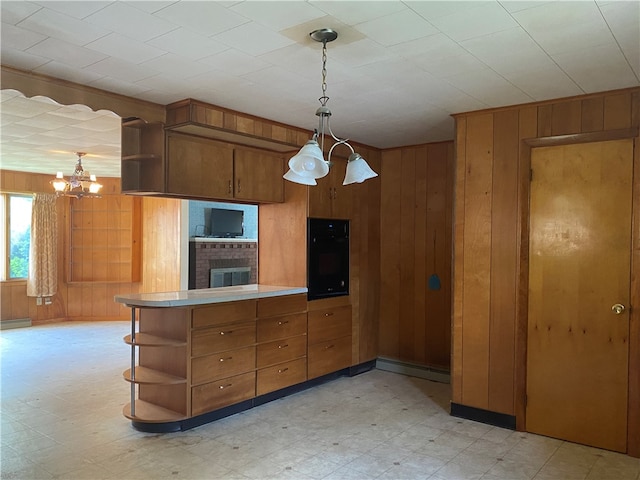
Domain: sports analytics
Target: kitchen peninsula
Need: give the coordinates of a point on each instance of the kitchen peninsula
(201, 355)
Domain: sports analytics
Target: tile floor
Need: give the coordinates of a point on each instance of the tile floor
(62, 395)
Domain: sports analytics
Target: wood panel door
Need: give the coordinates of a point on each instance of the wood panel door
(579, 268)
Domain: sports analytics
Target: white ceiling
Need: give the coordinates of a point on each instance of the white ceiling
(396, 73)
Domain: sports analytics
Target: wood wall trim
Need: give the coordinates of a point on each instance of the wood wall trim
(527, 126)
(548, 103)
(571, 139)
(633, 420)
(69, 93)
(457, 264)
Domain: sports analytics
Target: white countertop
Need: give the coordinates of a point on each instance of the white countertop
(203, 296)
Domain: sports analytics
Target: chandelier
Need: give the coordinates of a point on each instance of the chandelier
(309, 163)
(80, 184)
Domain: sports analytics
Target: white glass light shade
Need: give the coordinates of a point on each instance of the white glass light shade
(357, 170)
(309, 161)
(94, 187)
(295, 178)
(59, 184)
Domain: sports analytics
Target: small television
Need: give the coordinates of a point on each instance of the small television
(227, 223)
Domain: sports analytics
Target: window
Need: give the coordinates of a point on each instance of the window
(16, 220)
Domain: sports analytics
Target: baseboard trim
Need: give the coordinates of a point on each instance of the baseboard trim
(15, 323)
(483, 416)
(413, 370)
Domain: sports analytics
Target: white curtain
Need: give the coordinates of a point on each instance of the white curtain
(43, 251)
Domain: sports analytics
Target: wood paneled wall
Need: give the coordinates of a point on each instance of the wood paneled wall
(73, 301)
(415, 222)
(365, 265)
(161, 219)
(491, 236)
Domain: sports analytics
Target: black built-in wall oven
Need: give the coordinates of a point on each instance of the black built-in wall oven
(327, 257)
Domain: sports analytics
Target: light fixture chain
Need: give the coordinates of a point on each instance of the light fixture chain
(324, 98)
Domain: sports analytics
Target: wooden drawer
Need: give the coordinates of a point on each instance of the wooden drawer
(273, 328)
(221, 313)
(330, 356)
(273, 306)
(222, 365)
(329, 323)
(281, 376)
(281, 350)
(223, 337)
(214, 395)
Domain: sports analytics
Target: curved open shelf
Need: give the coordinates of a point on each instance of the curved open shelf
(149, 413)
(146, 340)
(149, 376)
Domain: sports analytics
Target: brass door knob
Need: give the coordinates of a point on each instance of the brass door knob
(618, 308)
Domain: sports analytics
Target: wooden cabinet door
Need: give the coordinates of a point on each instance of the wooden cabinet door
(320, 198)
(331, 199)
(258, 176)
(199, 167)
(342, 194)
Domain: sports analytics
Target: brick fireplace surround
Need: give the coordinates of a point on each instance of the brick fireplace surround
(208, 253)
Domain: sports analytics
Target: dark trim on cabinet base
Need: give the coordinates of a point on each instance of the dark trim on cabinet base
(189, 423)
(483, 416)
(362, 367)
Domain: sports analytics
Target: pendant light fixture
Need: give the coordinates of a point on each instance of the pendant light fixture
(80, 184)
(309, 163)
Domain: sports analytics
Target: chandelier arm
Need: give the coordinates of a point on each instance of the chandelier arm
(337, 139)
(339, 142)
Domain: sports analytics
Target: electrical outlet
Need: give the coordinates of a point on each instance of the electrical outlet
(38, 301)
(47, 300)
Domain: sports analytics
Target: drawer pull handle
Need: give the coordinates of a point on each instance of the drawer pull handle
(222, 387)
(225, 359)
(282, 370)
(329, 347)
(228, 332)
(283, 322)
(230, 187)
(329, 314)
(283, 346)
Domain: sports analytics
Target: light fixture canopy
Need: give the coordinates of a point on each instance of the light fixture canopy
(80, 184)
(309, 163)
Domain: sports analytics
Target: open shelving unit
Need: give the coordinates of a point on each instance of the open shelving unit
(157, 375)
(143, 151)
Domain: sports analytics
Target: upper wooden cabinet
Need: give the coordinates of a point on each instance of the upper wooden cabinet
(258, 175)
(203, 168)
(198, 167)
(331, 199)
(156, 161)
